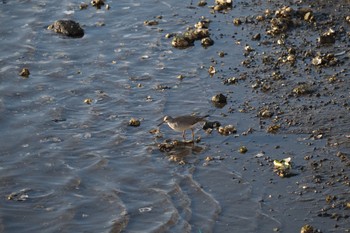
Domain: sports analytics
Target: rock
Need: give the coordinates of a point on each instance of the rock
(97, 3)
(150, 22)
(237, 21)
(207, 41)
(24, 73)
(187, 38)
(134, 122)
(68, 28)
(181, 42)
(211, 125)
(222, 5)
(219, 100)
(307, 229)
(227, 130)
(327, 37)
(202, 3)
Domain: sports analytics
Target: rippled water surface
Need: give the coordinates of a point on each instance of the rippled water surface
(68, 166)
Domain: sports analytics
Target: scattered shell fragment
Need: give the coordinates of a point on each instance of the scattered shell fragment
(227, 130)
(243, 149)
(282, 167)
(273, 128)
(265, 113)
(134, 122)
(180, 77)
(248, 48)
(211, 70)
(347, 18)
(306, 14)
(24, 73)
(256, 36)
(307, 229)
(88, 101)
(260, 154)
(237, 21)
(230, 81)
(221, 54)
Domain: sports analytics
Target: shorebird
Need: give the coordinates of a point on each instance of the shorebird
(182, 123)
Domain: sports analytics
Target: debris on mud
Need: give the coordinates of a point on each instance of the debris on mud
(324, 60)
(286, 18)
(211, 71)
(307, 229)
(327, 37)
(283, 167)
(243, 150)
(265, 113)
(227, 130)
(273, 128)
(302, 89)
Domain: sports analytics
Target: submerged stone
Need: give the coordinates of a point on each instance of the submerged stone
(24, 73)
(68, 28)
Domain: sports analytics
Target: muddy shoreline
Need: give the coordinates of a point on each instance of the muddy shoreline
(81, 151)
(296, 64)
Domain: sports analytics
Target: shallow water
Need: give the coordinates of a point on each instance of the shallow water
(74, 167)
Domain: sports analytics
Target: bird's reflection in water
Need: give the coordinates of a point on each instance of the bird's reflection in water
(179, 151)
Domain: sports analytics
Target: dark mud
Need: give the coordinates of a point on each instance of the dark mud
(297, 60)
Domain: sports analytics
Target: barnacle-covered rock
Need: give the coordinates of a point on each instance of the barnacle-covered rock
(68, 28)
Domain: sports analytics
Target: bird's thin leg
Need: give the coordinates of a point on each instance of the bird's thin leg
(183, 135)
(192, 135)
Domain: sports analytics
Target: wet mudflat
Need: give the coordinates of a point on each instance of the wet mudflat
(80, 149)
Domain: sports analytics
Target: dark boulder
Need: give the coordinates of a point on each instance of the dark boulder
(68, 28)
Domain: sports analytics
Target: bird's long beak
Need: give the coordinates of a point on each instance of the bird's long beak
(160, 123)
